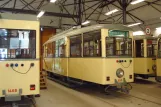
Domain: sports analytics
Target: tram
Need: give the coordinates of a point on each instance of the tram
(158, 62)
(145, 51)
(19, 58)
(100, 54)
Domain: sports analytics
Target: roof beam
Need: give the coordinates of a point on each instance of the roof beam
(28, 4)
(82, 2)
(132, 9)
(106, 4)
(36, 12)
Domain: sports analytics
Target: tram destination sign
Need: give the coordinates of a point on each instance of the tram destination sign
(113, 33)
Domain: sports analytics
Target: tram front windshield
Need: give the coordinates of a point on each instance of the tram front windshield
(118, 46)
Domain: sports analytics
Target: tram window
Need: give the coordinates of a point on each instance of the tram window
(159, 48)
(75, 46)
(92, 44)
(45, 51)
(139, 45)
(151, 48)
(17, 44)
(49, 50)
(59, 49)
(116, 46)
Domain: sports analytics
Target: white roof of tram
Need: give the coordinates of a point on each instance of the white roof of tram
(72, 32)
(144, 37)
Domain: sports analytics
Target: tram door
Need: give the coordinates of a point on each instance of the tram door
(139, 48)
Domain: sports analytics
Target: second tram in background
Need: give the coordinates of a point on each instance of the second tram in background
(158, 62)
(145, 51)
(100, 54)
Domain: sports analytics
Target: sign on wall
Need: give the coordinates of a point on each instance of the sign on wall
(147, 31)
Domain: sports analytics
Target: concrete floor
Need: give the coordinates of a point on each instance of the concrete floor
(144, 94)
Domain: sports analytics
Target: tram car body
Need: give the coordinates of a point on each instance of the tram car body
(158, 62)
(19, 58)
(92, 54)
(145, 51)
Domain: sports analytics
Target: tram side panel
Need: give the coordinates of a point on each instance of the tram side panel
(59, 66)
(143, 65)
(100, 70)
(158, 77)
(88, 69)
(48, 63)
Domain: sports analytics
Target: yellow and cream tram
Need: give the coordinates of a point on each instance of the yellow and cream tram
(158, 62)
(100, 54)
(19, 58)
(145, 50)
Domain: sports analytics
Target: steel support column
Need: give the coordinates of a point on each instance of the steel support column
(124, 5)
(80, 13)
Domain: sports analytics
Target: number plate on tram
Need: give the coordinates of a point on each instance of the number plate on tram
(12, 90)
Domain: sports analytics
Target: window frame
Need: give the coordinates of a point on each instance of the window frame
(93, 48)
(115, 45)
(77, 45)
(34, 31)
(159, 41)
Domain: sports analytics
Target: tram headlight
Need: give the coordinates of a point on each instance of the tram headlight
(120, 72)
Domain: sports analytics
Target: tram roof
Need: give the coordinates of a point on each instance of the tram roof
(72, 32)
(143, 37)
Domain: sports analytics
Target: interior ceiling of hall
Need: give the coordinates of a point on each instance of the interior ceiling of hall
(147, 12)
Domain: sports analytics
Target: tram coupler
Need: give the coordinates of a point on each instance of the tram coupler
(123, 86)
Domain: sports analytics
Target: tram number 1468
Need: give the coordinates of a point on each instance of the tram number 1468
(12, 90)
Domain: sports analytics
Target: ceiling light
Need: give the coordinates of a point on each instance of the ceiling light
(138, 33)
(52, 1)
(112, 11)
(159, 28)
(135, 24)
(40, 14)
(137, 1)
(86, 22)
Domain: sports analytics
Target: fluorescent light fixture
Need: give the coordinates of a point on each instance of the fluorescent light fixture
(112, 11)
(52, 1)
(138, 33)
(159, 28)
(86, 22)
(137, 1)
(135, 24)
(40, 14)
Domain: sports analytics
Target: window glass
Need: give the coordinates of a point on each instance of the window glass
(139, 48)
(151, 48)
(49, 50)
(92, 44)
(159, 48)
(59, 49)
(17, 44)
(75, 46)
(117, 46)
